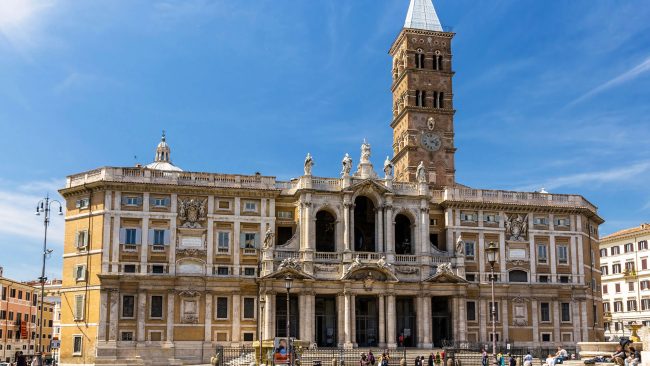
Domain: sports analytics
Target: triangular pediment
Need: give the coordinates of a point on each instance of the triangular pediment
(369, 184)
(289, 268)
(373, 271)
(445, 277)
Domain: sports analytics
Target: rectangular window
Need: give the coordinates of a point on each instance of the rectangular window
(617, 287)
(490, 218)
(471, 311)
(615, 250)
(603, 252)
(130, 236)
(629, 247)
(249, 271)
(160, 202)
(545, 312)
(645, 284)
(565, 279)
(603, 270)
(223, 205)
(249, 336)
(562, 222)
(81, 240)
(562, 254)
(250, 207)
(82, 203)
(132, 201)
(631, 305)
(128, 306)
(616, 268)
(606, 307)
(249, 240)
(249, 308)
(158, 269)
(542, 256)
(629, 266)
(129, 268)
(566, 312)
(156, 310)
(540, 221)
(80, 273)
(465, 216)
(223, 271)
(543, 278)
(158, 237)
(546, 337)
(222, 308)
(12, 293)
(76, 345)
(630, 286)
(126, 336)
(645, 304)
(285, 214)
(604, 289)
(223, 242)
(618, 306)
(470, 277)
(20, 295)
(79, 307)
(643, 245)
(644, 263)
(469, 249)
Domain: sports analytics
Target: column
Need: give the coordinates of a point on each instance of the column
(454, 312)
(556, 321)
(382, 321)
(352, 227)
(390, 329)
(142, 313)
(171, 300)
(426, 323)
(144, 248)
(535, 320)
(575, 317)
(302, 325)
(581, 260)
(112, 328)
(585, 322)
(340, 319)
(480, 255)
(552, 252)
(353, 320)
(236, 318)
(236, 245)
(419, 312)
(483, 320)
(461, 334)
(208, 318)
(424, 228)
(346, 226)
(390, 237)
(346, 318)
(449, 221)
(574, 261)
(269, 311)
(504, 303)
(172, 239)
(210, 236)
(502, 256)
(115, 254)
(533, 256)
(381, 247)
(308, 232)
(104, 303)
(311, 318)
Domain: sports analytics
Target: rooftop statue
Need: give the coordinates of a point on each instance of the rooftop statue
(347, 165)
(309, 163)
(365, 152)
(388, 168)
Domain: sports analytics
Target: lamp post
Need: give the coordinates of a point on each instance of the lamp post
(44, 206)
(491, 252)
(287, 283)
(261, 335)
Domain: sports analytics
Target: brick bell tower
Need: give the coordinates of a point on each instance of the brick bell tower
(423, 111)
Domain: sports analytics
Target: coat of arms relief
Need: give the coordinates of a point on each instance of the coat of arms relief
(516, 227)
(191, 211)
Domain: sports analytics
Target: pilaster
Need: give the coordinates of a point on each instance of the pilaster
(142, 313)
(144, 248)
(236, 317)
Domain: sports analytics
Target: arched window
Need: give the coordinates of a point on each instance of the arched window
(420, 98)
(419, 59)
(441, 99)
(325, 232)
(403, 239)
(364, 225)
(518, 276)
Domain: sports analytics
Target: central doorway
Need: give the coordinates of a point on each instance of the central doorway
(406, 322)
(366, 314)
(326, 321)
(440, 323)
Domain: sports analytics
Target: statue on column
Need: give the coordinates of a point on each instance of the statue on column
(459, 246)
(388, 169)
(268, 238)
(309, 163)
(365, 152)
(347, 165)
(420, 173)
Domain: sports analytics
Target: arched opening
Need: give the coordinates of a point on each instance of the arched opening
(325, 232)
(518, 276)
(403, 239)
(364, 225)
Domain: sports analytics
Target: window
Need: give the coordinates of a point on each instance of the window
(470, 277)
(285, 214)
(491, 218)
(631, 305)
(543, 278)
(223, 242)
(469, 249)
(629, 247)
(615, 250)
(645, 304)
(82, 203)
(130, 236)
(249, 271)
(222, 308)
(80, 273)
(604, 270)
(81, 240)
(518, 276)
(129, 268)
(629, 266)
(249, 308)
(159, 237)
(223, 271)
(542, 254)
(419, 59)
(223, 205)
(465, 216)
(250, 207)
(630, 286)
(76, 345)
(248, 336)
(158, 269)
(616, 268)
(545, 312)
(618, 306)
(20, 295)
(605, 289)
(4, 293)
(159, 202)
(540, 221)
(546, 337)
(79, 307)
(562, 254)
(645, 284)
(437, 61)
(3, 314)
(433, 222)
(562, 222)
(12, 293)
(28, 296)
(132, 201)
(495, 310)
(127, 336)
(644, 263)
(128, 306)
(565, 311)
(420, 98)
(606, 307)
(156, 310)
(440, 100)
(617, 287)
(603, 252)
(250, 240)
(565, 279)
(642, 244)
(155, 336)
(471, 311)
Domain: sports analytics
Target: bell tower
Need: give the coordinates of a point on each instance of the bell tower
(423, 111)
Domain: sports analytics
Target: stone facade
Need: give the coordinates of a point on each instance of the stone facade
(177, 262)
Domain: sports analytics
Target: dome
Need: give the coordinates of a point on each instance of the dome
(162, 160)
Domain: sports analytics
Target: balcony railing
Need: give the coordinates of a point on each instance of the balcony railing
(406, 258)
(327, 257)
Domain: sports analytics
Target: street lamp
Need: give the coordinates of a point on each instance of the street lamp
(261, 335)
(288, 281)
(44, 206)
(491, 252)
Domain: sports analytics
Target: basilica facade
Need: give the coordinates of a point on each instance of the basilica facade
(161, 265)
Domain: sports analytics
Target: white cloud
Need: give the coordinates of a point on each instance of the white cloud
(21, 21)
(631, 74)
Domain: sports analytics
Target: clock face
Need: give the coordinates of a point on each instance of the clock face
(431, 141)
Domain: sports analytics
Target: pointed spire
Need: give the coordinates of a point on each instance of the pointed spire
(422, 15)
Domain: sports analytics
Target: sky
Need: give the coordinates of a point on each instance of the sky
(550, 94)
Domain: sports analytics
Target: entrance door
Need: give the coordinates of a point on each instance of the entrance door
(326, 321)
(367, 324)
(440, 323)
(406, 322)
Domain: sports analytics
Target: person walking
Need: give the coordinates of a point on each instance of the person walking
(371, 358)
(430, 362)
(21, 359)
(484, 357)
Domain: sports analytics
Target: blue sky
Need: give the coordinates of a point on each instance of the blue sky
(548, 94)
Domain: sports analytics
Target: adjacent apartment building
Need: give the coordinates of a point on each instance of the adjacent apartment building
(624, 257)
(162, 264)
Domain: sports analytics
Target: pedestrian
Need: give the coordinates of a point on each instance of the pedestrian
(385, 358)
(364, 360)
(512, 361)
(37, 360)
(21, 359)
(371, 358)
(430, 363)
(634, 357)
(401, 340)
(528, 359)
(417, 361)
(618, 357)
(484, 357)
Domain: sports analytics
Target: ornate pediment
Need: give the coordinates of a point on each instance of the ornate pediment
(368, 186)
(379, 271)
(444, 274)
(289, 267)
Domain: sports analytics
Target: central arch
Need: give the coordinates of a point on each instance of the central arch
(364, 224)
(403, 237)
(325, 232)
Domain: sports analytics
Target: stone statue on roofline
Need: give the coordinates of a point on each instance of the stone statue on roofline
(309, 163)
(388, 168)
(365, 152)
(347, 165)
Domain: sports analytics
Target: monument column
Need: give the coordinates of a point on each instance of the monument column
(390, 329)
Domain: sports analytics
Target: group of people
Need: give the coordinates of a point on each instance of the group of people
(632, 358)
(559, 357)
(501, 359)
(20, 359)
(370, 360)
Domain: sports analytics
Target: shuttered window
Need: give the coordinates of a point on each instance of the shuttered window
(79, 307)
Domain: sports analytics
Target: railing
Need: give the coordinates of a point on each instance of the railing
(144, 175)
(326, 184)
(406, 258)
(249, 251)
(285, 254)
(327, 257)
(405, 188)
(367, 256)
(129, 248)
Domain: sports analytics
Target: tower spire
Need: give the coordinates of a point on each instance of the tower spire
(422, 15)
